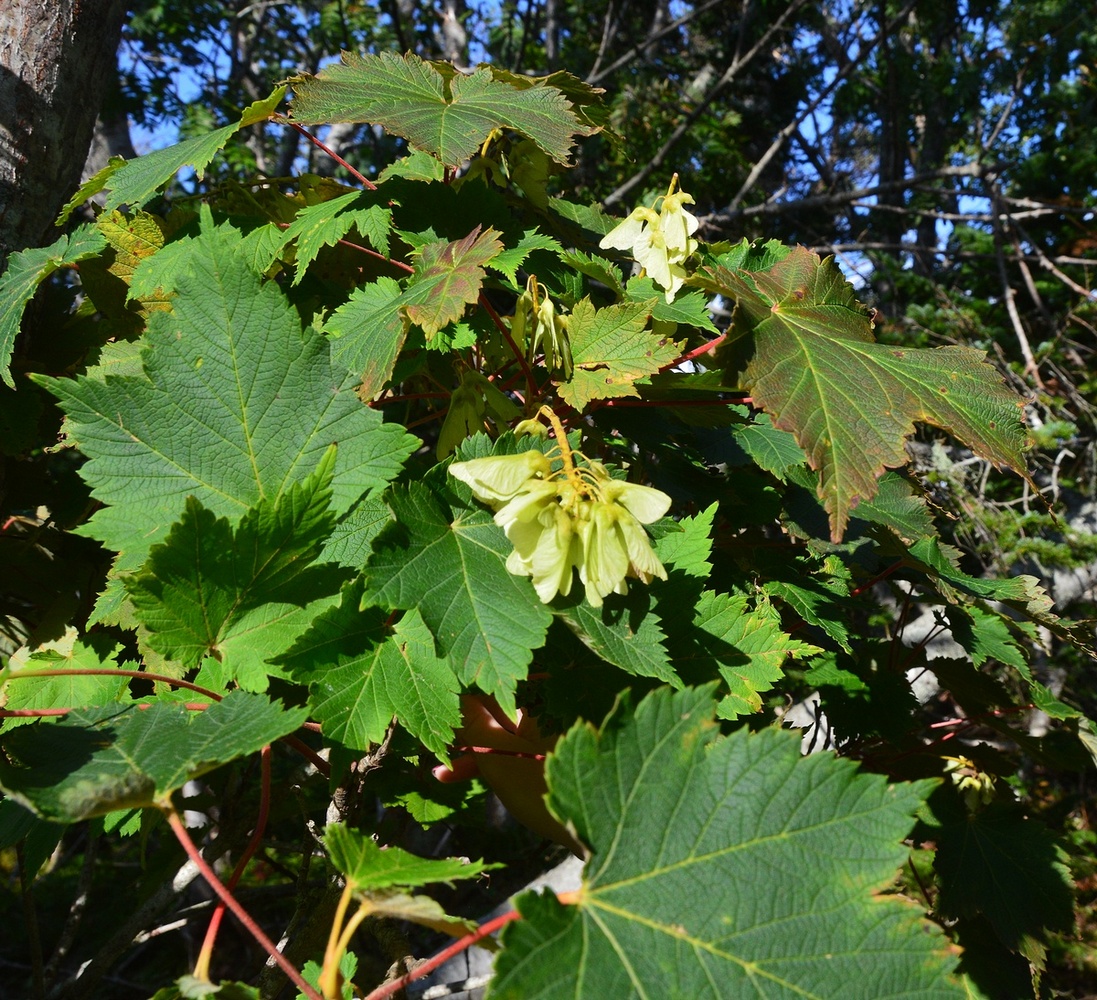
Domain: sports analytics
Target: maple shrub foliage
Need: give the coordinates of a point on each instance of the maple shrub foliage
(436, 458)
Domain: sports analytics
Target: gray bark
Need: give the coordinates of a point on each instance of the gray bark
(56, 60)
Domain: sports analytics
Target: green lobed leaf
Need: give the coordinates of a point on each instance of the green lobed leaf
(242, 595)
(611, 349)
(324, 224)
(689, 549)
(598, 268)
(137, 180)
(369, 867)
(97, 651)
(446, 557)
(89, 189)
(1007, 867)
(585, 100)
(740, 641)
(447, 278)
(625, 631)
(1023, 593)
(26, 270)
(361, 674)
(816, 604)
(450, 119)
(158, 274)
(722, 868)
(850, 402)
(985, 636)
(351, 542)
(774, 450)
(416, 166)
(690, 308)
(194, 988)
(367, 333)
(236, 404)
(509, 260)
(115, 757)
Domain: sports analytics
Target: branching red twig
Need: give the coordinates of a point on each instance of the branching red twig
(175, 821)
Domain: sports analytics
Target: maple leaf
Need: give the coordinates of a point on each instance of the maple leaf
(447, 278)
(449, 118)
(850, 402)
(686, 831)
(611, 349)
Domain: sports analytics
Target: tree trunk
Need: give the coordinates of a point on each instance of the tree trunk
(56, 60)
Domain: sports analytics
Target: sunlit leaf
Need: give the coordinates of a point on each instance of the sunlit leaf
(100, 759)
(686, 891)
(137, 180)
(447, 278)
(361, 674)
(446, 557)
(26, 271)
(97, 651)
(852, 403)
(244, 594)
(451, 119)
(236, 404)
(612, 348)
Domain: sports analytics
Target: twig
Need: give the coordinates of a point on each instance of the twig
(365, 181)
(175, 821)
(201, 967)
(432, 963)
(736, 64)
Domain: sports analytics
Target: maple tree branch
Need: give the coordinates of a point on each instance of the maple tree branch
(782, 137)
(597, 74)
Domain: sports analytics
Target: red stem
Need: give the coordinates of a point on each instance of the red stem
(44, 713)
(709, 345)
(858, 591)
(249, 851)
(366, 182)
(501, 753)
(180, 831)
(303, 748)
(432, 963)
(140, 675)
(621, 401)
(505, 331)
